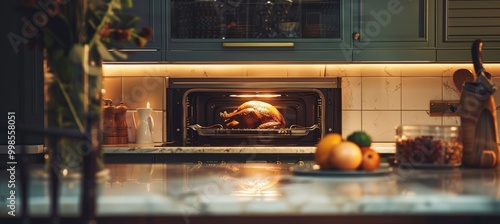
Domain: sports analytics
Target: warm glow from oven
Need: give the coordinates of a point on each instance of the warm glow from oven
(258, 182)
(255, 95)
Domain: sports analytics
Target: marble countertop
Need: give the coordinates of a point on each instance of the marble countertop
(157, 148)
(272, 189)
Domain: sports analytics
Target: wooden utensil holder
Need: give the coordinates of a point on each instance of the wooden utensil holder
(479, 130)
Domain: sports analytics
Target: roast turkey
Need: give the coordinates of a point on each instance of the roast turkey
(254, 114)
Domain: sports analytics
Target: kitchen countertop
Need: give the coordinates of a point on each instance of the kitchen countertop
(157, 148)
(263, 189)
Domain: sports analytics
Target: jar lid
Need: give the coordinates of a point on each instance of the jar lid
(429, 130)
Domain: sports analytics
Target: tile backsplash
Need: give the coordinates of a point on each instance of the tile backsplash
(375, 97)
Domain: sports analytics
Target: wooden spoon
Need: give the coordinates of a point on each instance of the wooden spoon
(462, 76)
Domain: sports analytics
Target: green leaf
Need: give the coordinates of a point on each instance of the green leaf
(70, 106)
(54, 38)
(119, 54)
(48, 40)
(132, 21)
(112, 17)
(115, 4)
(92, 24)
(103, 51)
(127, 3)
(99, 14)
(76, 53)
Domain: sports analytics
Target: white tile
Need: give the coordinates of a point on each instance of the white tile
(496, 95)
(220, 70)
(137, 91)
(381, 125)
(266, 70)
(389, 70)
(381, 93)
(343, 70)
(304, 70)
(419, 91)
(419, 118)
(134, 70)
(185, 71)
(132, 125)
(450, 91)
(113, 89)
(493, 68)
(498, 125)
(351, 121)
(205, 70)
(351, 93)
(420, 70)
(165, 126)
(158, 127)
(449, 69)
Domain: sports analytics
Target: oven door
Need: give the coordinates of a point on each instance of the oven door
(194, 115)
(301, 110)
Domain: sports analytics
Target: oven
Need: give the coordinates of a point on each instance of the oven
(252, 111)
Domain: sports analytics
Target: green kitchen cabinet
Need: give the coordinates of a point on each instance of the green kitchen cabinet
(340, 30)
(460, 22)
(151, 15)
(22, 88)
(245, 30)
(394, 30)
(316, 30)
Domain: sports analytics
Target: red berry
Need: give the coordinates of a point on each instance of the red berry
(146, 32)
(126, 34)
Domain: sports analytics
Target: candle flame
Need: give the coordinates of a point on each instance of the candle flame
(147, 105)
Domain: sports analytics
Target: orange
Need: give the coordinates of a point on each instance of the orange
(371, 159)
(346, 156)
(324, 148)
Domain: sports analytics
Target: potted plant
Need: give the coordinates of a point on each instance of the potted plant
(76, 36)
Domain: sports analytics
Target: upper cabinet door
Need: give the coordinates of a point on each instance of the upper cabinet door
(460, 22)
(150, 14)
(259, 30)
(394, 30)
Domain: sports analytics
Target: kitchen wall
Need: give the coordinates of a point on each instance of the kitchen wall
(375, 97)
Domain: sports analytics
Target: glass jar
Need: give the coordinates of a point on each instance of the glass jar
(428, 145)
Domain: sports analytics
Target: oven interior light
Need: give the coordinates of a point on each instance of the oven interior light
(255, 95)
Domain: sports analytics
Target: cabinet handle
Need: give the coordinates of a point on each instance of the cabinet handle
(142, 49)
(356, 36)
(282, 44)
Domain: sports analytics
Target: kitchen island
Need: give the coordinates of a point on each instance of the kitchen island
(271, 193)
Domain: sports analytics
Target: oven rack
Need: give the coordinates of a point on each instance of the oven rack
(218, 130)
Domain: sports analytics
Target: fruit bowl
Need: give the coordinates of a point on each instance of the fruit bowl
(315, 170)
(351, 154)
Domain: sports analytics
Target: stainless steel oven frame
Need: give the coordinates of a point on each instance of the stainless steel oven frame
(178, 89)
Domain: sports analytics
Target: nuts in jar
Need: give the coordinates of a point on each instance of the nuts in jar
(437, 145)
